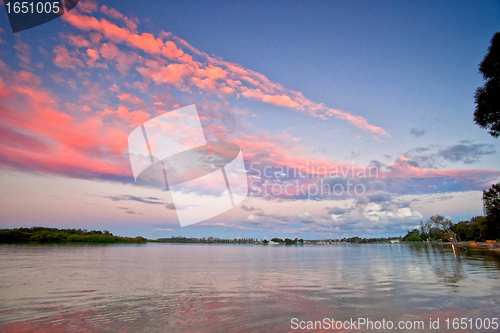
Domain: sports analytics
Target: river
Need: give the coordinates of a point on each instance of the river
(243, 288)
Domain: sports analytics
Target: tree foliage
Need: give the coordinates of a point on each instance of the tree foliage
(439, 228)
(443, 224)
(491, 206)
(413, 236)
(487, 113)
(473, 230)
(288, 241)
(53, 235)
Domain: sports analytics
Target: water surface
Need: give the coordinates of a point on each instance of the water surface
(234, 288)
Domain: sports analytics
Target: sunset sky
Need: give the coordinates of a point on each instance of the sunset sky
(321, 96)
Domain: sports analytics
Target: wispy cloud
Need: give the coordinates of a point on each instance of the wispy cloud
(466, 153)
(434, 157)
(128, 211)
(125, 197)
(233, 226)
(247, 208)
(417, 132)
(164, 229)
(170, 205)
(172, 65)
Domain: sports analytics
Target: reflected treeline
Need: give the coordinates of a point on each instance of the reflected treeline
(449, 266)
(444, 263)
(486, 258)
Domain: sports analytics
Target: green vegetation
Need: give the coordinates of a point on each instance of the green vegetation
(359, 240)
(475, 230)
(53, 235)
(487, 97)
(203, 240)
(491, 207)
(345, 240)
(478, 229)
(288, 241)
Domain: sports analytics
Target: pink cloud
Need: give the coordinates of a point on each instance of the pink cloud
(146, 42)
(357, 121)
(216, 76)
(171, 51)
(124, 60)
(88, 23)
(212, 73)
(130, 98)
(23, 53)
(87, 6)
(279, 100)
(173, 73)
(113, 13)
(65, 59)
(402, 168)
(36, 134)
(78, 41)
(93, 56)
(134, 118)
(1, 33)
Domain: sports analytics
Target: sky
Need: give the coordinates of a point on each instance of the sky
(353, 118)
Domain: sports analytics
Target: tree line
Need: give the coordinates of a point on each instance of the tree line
(286, 241)
(53, 235)
(203, 240)
(477, 229)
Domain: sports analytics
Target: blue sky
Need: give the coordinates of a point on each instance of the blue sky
(342, 84)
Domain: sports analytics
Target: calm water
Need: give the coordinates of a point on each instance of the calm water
(191, 288)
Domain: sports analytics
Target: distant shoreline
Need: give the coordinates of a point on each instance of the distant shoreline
(44, 235)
